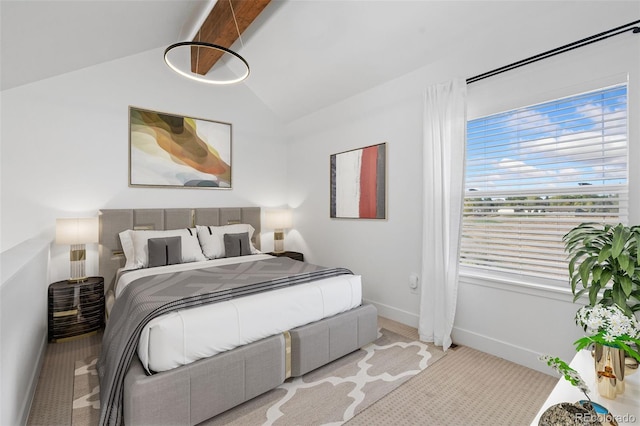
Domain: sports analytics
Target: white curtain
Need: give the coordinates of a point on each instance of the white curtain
(444, 135)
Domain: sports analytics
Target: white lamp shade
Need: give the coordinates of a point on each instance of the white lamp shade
(77, 231)
(278, 219)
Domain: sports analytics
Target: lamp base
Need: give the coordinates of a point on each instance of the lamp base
(77, 257)
(278, 241)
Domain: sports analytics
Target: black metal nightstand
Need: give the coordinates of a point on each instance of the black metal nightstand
(75, 308)
(291, 254)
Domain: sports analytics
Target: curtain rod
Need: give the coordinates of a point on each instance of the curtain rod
(562, 49)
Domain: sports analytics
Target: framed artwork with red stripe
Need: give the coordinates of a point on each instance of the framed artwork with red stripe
(359, 183)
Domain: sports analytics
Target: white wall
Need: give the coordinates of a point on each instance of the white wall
(23, 326)
(515, 322)
(385, 252)
(65, 147)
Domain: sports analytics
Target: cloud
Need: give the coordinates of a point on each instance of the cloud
(551, 146)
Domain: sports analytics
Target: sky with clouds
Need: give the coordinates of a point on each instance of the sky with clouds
(559, 144)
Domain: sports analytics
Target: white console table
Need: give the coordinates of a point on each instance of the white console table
(625, 408)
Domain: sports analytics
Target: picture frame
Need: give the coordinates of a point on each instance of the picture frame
(359, 183)
(174, 151)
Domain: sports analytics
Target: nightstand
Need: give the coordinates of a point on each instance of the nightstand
(291, 254)
(75, 308)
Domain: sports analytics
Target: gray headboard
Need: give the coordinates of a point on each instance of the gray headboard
(114, 221)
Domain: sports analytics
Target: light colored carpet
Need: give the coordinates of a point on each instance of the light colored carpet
(467, 387)
(51, 404)
(328, 395)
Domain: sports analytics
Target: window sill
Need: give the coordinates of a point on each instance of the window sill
(516, 285)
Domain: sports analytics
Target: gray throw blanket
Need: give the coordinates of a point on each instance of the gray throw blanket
(152, 296)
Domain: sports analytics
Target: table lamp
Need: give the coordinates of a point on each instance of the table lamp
(76, 233)
(278, 220)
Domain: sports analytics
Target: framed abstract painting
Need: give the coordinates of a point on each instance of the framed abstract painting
(359, 183)
(173, 151)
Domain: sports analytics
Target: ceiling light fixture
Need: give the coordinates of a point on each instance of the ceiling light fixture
(204, 45)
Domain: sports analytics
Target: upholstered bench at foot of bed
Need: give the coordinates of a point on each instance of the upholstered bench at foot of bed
(200, 390)
(316, 344)
(196, 392)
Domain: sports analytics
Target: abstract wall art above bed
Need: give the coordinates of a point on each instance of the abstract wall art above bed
(358, 183)
(169, 150)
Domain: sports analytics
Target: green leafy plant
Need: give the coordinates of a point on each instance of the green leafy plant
(605, 257)
(569, 374)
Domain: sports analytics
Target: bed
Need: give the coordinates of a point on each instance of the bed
(193, 378)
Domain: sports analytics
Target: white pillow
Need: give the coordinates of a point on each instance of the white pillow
(212, 238)
(191, 251)
(126, 240)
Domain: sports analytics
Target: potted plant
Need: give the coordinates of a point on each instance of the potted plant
(600, 255)
(605, 259)
(570, 413)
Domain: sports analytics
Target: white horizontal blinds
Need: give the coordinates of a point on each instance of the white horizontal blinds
(534, 173)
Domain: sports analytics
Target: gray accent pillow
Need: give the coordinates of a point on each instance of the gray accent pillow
(165, 251)
(237, 244)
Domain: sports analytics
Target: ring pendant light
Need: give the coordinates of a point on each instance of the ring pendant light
(205, 45)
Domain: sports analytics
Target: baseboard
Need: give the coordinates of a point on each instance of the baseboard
(499, 348)
(386, 311)
(460, 336)
(33, 381)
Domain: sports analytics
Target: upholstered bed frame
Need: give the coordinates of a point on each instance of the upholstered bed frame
(196, 392)
(112, 222)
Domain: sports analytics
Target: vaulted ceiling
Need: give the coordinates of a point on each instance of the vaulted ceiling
(304, 54)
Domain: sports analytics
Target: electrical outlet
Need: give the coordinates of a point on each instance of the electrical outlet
(413, 284)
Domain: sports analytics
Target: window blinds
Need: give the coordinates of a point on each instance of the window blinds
(534, 173)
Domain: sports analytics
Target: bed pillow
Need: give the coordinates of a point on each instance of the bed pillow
(126, 240)
(165, 251)
(237, 244)
(191, 251)
(212, 238)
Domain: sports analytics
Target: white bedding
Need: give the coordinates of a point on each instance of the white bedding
(182, 337)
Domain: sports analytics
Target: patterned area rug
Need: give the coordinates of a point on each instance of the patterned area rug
(330, 395)
(86, 393)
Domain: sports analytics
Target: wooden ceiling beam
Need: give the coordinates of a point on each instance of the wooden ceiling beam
(220, 28)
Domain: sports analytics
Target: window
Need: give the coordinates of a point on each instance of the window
(534, 173)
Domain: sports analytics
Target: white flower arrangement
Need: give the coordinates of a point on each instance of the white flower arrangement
(608, 325)
(567, 372)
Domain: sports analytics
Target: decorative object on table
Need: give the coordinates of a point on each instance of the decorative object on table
(583, 412)
(174, 151)
(278, 220)
(358, 183)
(578, 413)
(77, 233)
(568, 373)
(614, 335)
(600, 254)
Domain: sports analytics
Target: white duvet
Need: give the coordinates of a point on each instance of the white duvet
(182, 337)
